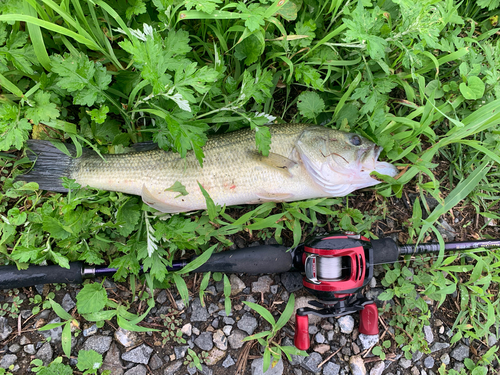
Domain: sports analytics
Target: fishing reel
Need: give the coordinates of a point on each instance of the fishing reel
(336, 269)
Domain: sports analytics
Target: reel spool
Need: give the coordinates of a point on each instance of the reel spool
(337, 266)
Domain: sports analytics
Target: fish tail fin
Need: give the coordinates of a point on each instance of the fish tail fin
(50, 165)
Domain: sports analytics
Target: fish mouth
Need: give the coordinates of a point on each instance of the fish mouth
(369, 163)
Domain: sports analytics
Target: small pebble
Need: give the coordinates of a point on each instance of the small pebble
(429, 362)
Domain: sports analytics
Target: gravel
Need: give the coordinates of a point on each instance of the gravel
(331, 369)
(312, 362)
(460, 353)
(98, 343)
(257, 367)
(247, 323)
(199, 313)
(346, 324)
(204, 341)
(141, 354)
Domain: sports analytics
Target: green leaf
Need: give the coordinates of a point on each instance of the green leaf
(211, 208)
(473, 89)
(198, 261)
(66, 339)
(43, 109)
(310, 104)
(99, 115)
(178, 188)
(251, 48)
(61, 313)
(262, 311)
(287, 313)
(92, 298)
(181, 287)
(128, 217)
(125, 324)
(227, 295)
(89, 360)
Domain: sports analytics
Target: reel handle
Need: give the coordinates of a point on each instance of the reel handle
(301, 338)
(368, 320)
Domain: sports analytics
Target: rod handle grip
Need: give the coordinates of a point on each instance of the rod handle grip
(368, 320)
(301, 338)
(11, 277)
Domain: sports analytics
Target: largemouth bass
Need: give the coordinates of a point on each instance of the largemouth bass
(304, 162)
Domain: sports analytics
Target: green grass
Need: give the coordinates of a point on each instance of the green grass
(419, 78)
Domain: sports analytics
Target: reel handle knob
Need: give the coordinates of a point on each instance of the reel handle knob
(368, 320)
(301, 338)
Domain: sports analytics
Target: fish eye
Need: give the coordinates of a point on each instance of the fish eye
(355, 140)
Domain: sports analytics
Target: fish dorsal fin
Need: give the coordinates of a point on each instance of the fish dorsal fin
(144, 146)
(152, 201)
(275, 161)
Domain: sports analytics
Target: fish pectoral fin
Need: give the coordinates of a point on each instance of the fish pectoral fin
(273, 160)
(274, 197)
(152, 201)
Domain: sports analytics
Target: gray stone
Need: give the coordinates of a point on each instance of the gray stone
(357, 365)
(445, 358)
(205, 370)
(236, 339)
(196, 331)
(112, 361)
(247, 323)
(274, 289)
(215, 323)
(8, 360)
(220, 340)
(14, 348)
(416, 356)
(30, 349)
(126, 338)
(227, 330)
(187, 329)
(257, 367)
(92, 330)
(155, 363)
(228, 362)
(180, 304)
(320, 339)
(262, 285)
(161, 298)
(439, 346)
(180, 351)
(331, 369)
(45, 353)
(200, 313)
(313, 330)
(67, 303)
(304, 302)
(492, 340)
(237, 285)
(297, 371)
(212, 308)
(446, 231)
(429, 336)
(367, 341)
(228, 320)
(98, 343)
(311, 363)
(214, 356)
(346, 324)
(191, 370)
(137, 370)
(172, 369)
(378, 369)
(141, 354)
(429, 362)
(460, 353)
(405, 363)
(204, 341)
(24, 340)
(292, 281)
(55, 334)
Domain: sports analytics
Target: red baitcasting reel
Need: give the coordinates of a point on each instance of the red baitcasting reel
(336, 268)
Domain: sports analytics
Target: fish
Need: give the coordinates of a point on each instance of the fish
(305, 161)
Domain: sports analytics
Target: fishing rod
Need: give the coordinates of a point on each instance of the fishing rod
(336, 267)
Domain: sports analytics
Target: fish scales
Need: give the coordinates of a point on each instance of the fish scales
(304, 162)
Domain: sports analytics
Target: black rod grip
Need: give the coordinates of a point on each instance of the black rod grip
(385, 250)
(254, 260)
(11, 277)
